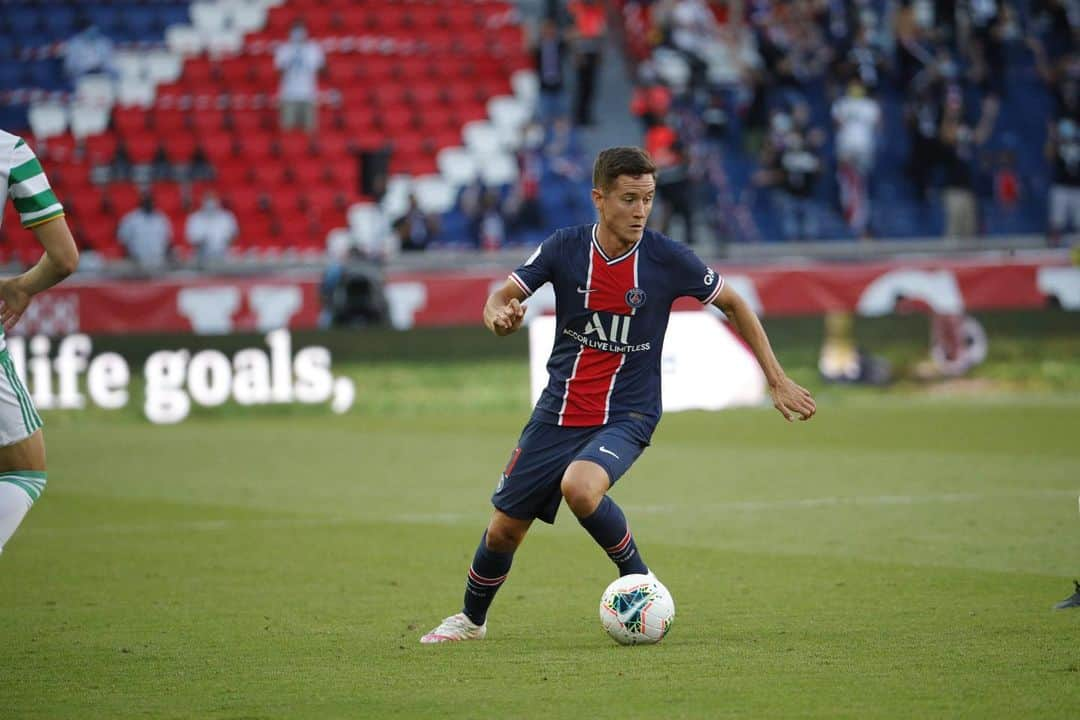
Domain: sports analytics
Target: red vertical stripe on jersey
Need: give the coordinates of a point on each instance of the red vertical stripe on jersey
(589, 389)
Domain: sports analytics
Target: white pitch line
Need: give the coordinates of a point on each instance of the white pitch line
(854, 500)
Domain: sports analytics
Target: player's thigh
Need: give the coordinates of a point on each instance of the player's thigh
(614, 448)
(22, 445)
(529, 485)
(28, 454)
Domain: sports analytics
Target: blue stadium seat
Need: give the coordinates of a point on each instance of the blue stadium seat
(60, 21)
(11, 76)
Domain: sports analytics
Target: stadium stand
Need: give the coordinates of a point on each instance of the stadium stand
(199, 77)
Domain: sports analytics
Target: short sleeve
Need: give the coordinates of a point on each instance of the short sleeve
(538, 268)
(692, 277)
(29, 188)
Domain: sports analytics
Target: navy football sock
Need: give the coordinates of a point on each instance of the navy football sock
(608, 527)
(486, 575)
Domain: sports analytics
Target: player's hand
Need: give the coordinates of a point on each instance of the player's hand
(793, 400)
(13, 302)
(509, 317)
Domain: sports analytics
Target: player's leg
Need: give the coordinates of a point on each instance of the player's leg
(491, 563)
(22, 480)
(488, 571)
(528, 489)
(585, 484)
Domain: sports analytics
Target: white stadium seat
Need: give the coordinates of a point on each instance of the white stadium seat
(481, 138)
(457, 166)
(338, 242)
(133, 91)
(246, 15)
(526, 88)
(508, 113)
(129, 64)
(434, 194)
(95, 89)
(499, 169)
(224, 42)
(183, 40)
(396, 198)
(209, 18)
(47, 120)
(163, 66)
(88, 119)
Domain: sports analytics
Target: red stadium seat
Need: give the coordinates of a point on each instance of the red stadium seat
(141, 148)
(128, 121)
(169, 121)
(233, 171)
(294, 145)
(168, 198)
(100, 149)
(218, 144)
(179, 148)
(121, 198)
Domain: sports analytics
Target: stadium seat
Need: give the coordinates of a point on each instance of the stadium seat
(47, 120)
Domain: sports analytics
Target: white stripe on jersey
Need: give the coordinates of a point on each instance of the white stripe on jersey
(573, 373)
(611, 388)
(30, 186)
(566, 391)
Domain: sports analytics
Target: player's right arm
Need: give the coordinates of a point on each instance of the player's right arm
(60, 260)
(503, 311)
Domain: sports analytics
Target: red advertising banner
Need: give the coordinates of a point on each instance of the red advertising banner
(210, 305)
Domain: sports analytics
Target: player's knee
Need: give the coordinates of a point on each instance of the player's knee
(503, 537)
(582, 496)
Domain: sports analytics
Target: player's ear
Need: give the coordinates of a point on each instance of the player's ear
(597, 198)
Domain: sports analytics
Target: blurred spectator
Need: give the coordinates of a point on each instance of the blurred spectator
(550, 58)
(299, 60)
(211, 229)
(146, 235)
(674, 186)
(792, 169)
(693, 32)
(590, 27)
(483, 209)
(1063, 151)
(199, 167)
(415, 229)
(858, 121)
(958, 158)
(88, 51)
(923, 119)
(651, 99)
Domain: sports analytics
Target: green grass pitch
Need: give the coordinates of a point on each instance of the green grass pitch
(896, 557)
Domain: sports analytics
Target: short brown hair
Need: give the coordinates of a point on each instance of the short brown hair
(616, 161)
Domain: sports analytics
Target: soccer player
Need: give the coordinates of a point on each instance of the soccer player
(614, 285)
(22, 446)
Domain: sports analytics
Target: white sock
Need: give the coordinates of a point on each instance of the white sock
(15, 502)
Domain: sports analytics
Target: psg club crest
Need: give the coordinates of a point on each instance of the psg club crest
(635, 297)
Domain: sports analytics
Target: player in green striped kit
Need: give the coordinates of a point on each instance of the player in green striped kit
(22, 445)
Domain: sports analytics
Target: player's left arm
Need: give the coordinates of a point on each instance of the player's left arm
(790, 398)
(60, 260)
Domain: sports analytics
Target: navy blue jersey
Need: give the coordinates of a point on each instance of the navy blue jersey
(611, 316)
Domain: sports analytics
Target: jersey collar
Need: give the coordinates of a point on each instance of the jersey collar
(607, 259)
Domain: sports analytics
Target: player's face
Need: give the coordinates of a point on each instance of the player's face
(625, 208)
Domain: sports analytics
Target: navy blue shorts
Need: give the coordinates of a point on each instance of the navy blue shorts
(529, 487)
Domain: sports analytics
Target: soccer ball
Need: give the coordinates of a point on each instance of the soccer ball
(637, 610)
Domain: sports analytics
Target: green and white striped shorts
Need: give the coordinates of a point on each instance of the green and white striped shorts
(19, 418)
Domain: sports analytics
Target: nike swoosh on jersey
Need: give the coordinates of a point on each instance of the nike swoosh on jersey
(585, 291)
(605, 450)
